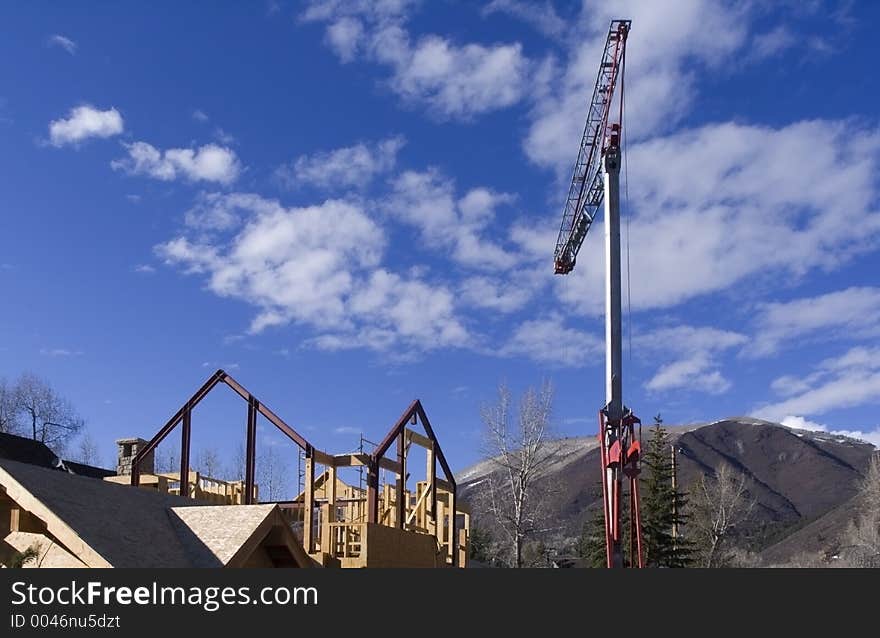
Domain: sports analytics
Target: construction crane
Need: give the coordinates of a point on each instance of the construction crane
(596, 179)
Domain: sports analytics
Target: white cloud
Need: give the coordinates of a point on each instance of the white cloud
(800, 423)
(145, 269)
(200, 116)
(209, 163)
(453, 80)
(773, 42)
(789, 385)
(223, 137)
(692, 373)
(820, 45)
(494, 294)
(536, 239)
(548, 340)
(221, 366)
(459, 81)
(662, 53)
(291, 262)
(689, 339)
(345, 36)
(542, 16)
(427, 201)
(850, 380)
(376, 10)
(853, 312)
(347, 430)
(64, 42)
(60, 352)
(694, 352)
(731, 201)
(296, 267)
(478, 204)
(395, 309)
(351, 166)
(224, 211)
(84, 122)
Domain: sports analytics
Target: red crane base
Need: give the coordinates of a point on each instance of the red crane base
(620, 450)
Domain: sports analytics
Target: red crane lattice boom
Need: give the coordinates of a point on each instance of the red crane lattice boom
(586, 191)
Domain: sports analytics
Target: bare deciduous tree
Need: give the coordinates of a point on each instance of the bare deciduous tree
(271, 473)
(861, 541)
(519, 453)
(87, 451)
(8, 409)
(208, 463)
(166, 460)
(239, 464)
(719, 505)
(47, 416)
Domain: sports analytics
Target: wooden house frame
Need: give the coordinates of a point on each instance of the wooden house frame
(431, 529)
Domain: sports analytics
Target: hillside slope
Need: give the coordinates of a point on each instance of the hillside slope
(800, 480)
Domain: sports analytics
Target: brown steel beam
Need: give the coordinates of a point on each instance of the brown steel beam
(172, 423)
(380, 450)
(271, 416)
(414, 412)
(292, 434)
(373, 493)
(184, 453)
(184, 414)
(251, 454)
(237, 387)
(438, 452)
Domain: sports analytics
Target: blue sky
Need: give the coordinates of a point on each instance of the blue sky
(348, 205)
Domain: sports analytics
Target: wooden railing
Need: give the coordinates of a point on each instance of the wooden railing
(345, 539)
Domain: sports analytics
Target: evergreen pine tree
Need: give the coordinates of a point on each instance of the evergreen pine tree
(662, 506)
(480, 545)
(591, 544)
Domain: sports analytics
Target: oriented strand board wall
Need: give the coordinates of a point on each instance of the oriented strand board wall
(392, 547)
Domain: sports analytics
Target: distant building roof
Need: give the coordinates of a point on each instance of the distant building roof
(87, 470)
(27, 450)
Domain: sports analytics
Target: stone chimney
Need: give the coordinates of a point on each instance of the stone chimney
(128, 448)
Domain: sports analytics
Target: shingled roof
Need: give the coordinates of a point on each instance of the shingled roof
(27, 450)
(109, 525)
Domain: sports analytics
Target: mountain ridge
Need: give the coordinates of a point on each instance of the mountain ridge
(797, 478)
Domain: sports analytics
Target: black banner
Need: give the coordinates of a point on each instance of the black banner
(411, 602)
